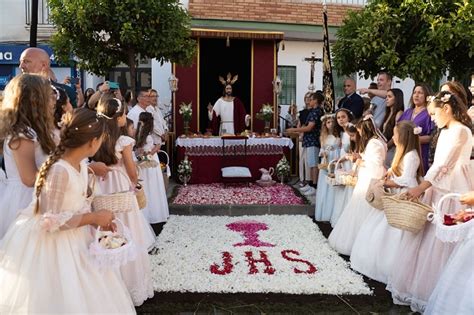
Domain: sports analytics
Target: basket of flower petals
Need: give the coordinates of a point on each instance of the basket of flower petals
(112, 248)
(333, 168)
(453, 227)
(346, 178)
(146, 161)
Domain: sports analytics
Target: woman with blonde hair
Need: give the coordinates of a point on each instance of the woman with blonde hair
(26, 127)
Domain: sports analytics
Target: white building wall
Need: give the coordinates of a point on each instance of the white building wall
(12, 21)
(159, 81)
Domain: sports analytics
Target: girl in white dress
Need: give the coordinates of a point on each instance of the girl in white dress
(422, 257)
(116, 152)
(330, 148)
(26, 128)
(371, 165)
(349, 139)
(45, 265)
(156, 209)
(377, 242)
(454, 292)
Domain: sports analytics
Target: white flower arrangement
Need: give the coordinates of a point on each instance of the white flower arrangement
(283, 168)
(302, 262)
(185, 167)
(186, 110)
(266, 112)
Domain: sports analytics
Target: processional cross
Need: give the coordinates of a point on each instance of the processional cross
(312, 60)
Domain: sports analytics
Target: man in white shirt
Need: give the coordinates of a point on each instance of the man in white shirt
(160, 127)
(140, 107)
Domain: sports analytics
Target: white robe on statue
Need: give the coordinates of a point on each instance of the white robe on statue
(225, 110)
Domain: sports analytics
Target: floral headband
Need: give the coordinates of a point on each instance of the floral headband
(445, 98)
(417, 130)
(328, 116)
(56, 91)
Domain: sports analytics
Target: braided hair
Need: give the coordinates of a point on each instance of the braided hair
(80, 127)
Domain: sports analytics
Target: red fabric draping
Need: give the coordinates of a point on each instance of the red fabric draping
(263, 75)
(187, 93)
(207, 169)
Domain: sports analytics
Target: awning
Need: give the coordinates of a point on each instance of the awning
(239, 34)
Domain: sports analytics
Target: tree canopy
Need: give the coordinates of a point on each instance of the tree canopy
(104, 33)
(409, 38)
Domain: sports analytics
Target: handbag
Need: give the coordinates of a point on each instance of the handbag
(375, 192)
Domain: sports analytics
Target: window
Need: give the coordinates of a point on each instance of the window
(287, 75)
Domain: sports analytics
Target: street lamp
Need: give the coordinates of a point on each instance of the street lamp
(173, 83)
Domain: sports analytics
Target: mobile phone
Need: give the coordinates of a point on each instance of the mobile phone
(74, 81)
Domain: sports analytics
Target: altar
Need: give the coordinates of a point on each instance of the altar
(206, 155)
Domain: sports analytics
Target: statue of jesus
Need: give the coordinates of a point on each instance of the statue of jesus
(228, 115)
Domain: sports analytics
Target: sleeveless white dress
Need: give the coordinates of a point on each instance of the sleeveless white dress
(377, 242)
(156, 209)
(342, 194)
(16, 196)
(136, 274)
(325, 193)
(45, 265)
(357, 209)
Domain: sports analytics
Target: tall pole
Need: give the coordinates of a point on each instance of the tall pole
(34, 23)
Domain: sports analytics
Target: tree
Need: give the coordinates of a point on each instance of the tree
(104, 33)
(416, 38)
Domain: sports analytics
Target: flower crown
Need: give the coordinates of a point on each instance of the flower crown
(328, 116)
(445, 98)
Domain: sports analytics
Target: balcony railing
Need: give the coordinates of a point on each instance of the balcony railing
(346, 2)
(43, 12)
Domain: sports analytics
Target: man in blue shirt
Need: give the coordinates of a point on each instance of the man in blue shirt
(311, 132)
(377, 106)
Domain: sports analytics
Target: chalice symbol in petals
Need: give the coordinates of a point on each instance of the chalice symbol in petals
(249, 230)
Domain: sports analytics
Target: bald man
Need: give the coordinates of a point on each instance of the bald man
(352, 101)
(36, 61)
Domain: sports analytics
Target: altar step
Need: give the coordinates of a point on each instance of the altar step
(239, 210)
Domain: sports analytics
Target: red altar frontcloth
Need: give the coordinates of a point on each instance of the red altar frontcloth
(206, 156)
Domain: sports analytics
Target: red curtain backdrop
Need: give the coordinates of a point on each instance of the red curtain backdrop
(263, 75)
(187, 92)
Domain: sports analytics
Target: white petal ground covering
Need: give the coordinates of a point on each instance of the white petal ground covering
(253, 254)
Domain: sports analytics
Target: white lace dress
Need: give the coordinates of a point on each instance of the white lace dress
(156, 209)
(422, 257)
(325, 192)
(45, 265)
(136, 274)
(342, 194)
(357, 209)
(377, 242)
(15, 196)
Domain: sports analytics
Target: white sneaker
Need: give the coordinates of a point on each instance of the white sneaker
(310, 192)
(305, 188)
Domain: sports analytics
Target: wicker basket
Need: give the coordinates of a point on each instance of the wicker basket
(166, 171)
(346, 178)
(140, 194)
(118, 202)
(323, 166)
(331, 177)
(450, 233)
(404, 214)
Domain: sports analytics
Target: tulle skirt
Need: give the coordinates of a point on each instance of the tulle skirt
(342, 195)
(156, 209)
(454, 292)
(51, 273)
(375, 247)
(14, 197)
(324, 198)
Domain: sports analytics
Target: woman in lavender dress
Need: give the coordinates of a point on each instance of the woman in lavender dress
(418, 114)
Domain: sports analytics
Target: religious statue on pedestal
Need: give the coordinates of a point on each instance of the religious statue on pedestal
(228, 115)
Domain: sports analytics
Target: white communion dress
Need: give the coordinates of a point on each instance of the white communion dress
(45, 265)
(137, 273)
(377, 242)
(15, 196)
(357, 209)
